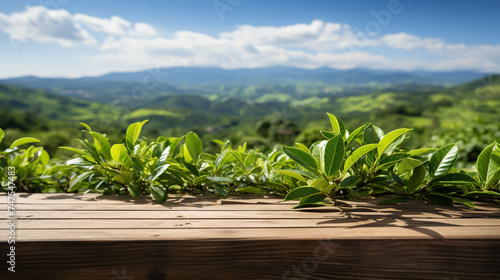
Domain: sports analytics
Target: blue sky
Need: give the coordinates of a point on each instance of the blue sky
(73, 38)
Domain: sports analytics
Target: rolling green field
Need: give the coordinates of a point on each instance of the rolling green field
(267, 114)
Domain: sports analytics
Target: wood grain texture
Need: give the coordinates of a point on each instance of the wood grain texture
(73, 236)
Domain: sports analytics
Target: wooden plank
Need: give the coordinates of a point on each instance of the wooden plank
(259, 259)
(217, 206)
(247, 223)
(213, 214)
(182, 233)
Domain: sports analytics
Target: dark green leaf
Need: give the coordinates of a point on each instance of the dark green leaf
(159, 193)
(334, 155)
(416, 179)
(302, 158)
(301, 192)
(443, 160)
(193, 144)
(312, 199)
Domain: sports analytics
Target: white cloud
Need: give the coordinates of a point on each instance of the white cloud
(43, 25)
(304, 45)
(116, 26)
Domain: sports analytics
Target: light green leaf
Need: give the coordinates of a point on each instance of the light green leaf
(219, 179)
(302, 147)
(291, 173)
(301, 192)
(334, 155)
(422, 151)
(356, 155)
(2, 134)
(488, 163)
(301, 157)
(101, 144)
(408, 164)
(22, 141)
(81, 152)
(355, 134)
(443, 160)
(86, 126)
(116, 152)
(133, 132)
(335, 123)
(193, 144)
(390, 138)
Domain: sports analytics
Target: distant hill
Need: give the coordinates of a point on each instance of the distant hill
(193, 80)
(49, 105)
(195, 76)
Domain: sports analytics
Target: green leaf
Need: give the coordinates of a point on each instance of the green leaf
(327, 134)
(73, 150)
(488, 163)
(454, 179)
(492, 193)
(439, 199)
(134, 190)
(219, 179)
(443, 160)
(310, 205)
(302, 147)
(164, 155)
(349, 181)
(355, 134)
(22, 141)
(101, 144)
(390, 138)
(77, 180)
(312, 199)
(335, 123)
(133, 132)
(116, 152)
(193, 144)
(159, 171)
(302, 158)
(356, 155)
(251, 190)
(86, 126)
(408, 164)
(394, 200)
(372, 134)
(422, 151)
(334, 155)
(222, 191)
(416, 179)
(159, 193)
(2, 134)
(290, 173)
(301, 192)
(391, 160)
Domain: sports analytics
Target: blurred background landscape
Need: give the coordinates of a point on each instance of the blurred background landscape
(264, 73)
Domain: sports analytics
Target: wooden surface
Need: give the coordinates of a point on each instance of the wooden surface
(70, 236)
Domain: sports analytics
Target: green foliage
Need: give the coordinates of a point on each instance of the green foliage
(366, 161)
